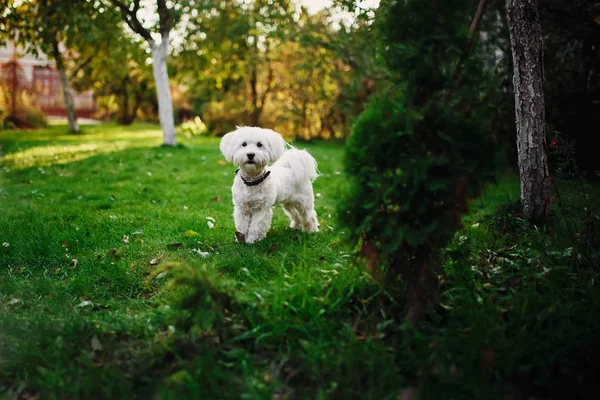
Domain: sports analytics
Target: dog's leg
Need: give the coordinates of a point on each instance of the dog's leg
(308, 216)
(292, 212)
(242, 223)
(259, 225)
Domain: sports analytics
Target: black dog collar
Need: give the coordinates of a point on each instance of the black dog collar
(254, 182)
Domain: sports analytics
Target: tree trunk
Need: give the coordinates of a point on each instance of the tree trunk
(528, 81)
(163, 91)
(125, 116)
(420, 282)
(255, 113)
(66, 87)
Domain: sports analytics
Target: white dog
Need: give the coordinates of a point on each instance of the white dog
(257, 187)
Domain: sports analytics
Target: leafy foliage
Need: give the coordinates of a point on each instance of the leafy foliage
(421, 149)
(27, 114)
(276, 65)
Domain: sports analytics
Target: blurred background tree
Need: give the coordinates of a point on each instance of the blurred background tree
(422, 148)
(123, 82)
(71, 34)
(275, 64)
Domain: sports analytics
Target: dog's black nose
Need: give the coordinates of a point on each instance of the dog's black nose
(250, 156)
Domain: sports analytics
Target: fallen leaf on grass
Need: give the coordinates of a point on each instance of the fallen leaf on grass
(84, 304)
(174, 245)
(14, 301)
(201, 253)
(161, 274)
(190, 233)
(96, 345)
(113, 253)
(210, 224)
(154, 261)
(74, 263)
(216, 199)
(126, 239)
(272, 248)
(222, 162)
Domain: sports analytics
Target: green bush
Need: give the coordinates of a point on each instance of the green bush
(27, 114)
(422, 148)
(194, 127)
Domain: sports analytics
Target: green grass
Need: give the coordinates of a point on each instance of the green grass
(141, 314)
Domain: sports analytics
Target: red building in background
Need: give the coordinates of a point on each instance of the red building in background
(38, 77)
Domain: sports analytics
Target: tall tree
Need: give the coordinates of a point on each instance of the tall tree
(69, 33)
(411, 181)
(167, 19)
(528, 81)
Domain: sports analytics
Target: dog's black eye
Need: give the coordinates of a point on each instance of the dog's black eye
(244, 144)
(259, 144)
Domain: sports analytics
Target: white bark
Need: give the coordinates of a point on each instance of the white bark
(528, 81)
(163, 91)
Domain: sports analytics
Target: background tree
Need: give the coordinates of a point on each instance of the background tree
(528, 62)
(422, 147)
(168, 17)
(123, 80)
(302, 74)
(69, 33)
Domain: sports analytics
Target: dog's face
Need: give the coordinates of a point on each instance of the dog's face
(251, 148)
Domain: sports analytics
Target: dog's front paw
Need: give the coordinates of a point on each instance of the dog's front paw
(240, 237)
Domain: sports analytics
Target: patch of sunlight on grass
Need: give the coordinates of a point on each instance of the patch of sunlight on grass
(52, 146)
(42, 156)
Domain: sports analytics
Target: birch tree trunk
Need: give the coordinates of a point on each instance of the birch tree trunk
(163, 91)
(66, 88)
(528, 81)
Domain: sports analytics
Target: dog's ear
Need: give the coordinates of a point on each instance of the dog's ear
(227, 146)
(276, 145)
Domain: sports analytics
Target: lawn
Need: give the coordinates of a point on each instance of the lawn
(120, 278)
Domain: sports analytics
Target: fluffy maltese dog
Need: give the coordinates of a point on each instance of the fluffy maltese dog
(258, 187)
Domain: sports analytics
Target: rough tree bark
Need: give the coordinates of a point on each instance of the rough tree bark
(66, 87)
(528, 81)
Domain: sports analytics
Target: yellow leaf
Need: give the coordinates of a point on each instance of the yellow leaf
(191, 233)
(222, 162)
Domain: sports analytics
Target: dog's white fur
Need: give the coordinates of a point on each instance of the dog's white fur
(289, 183)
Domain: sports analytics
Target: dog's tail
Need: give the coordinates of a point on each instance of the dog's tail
(302, 164)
